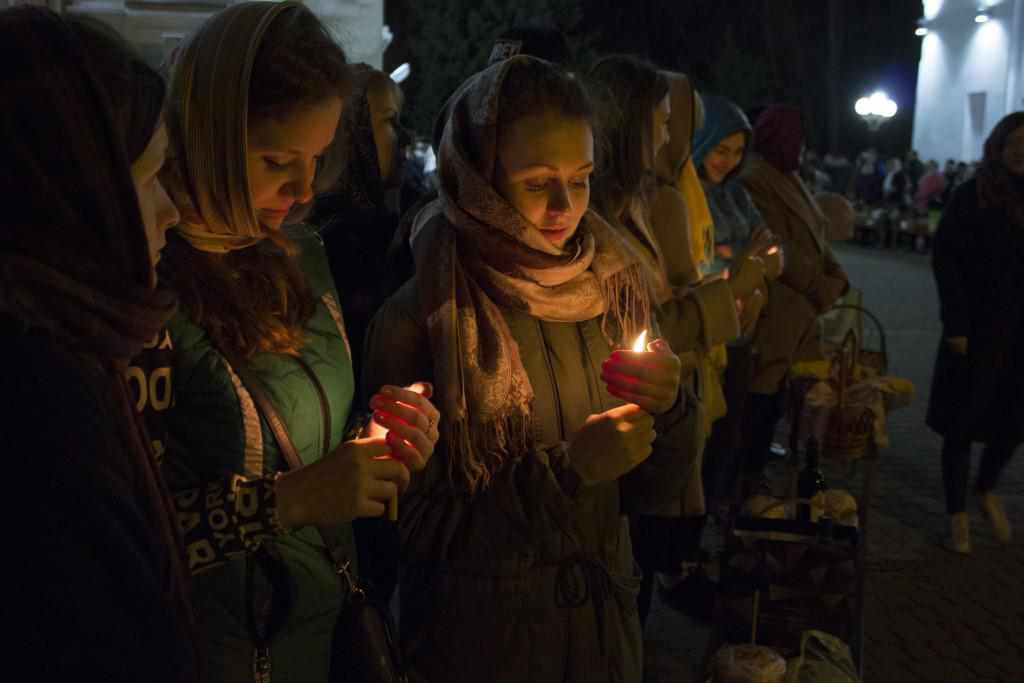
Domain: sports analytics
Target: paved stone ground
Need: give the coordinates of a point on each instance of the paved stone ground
(930, 616)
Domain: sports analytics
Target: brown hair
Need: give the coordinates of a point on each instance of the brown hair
(997, 188)
(256, 298)
(628, 89)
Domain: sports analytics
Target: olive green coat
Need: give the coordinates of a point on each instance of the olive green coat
(524, 581)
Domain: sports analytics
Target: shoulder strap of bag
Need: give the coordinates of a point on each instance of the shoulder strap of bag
(285, 444)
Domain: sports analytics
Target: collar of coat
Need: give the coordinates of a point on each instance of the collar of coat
(793, 193)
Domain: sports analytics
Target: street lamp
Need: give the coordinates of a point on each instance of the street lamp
(876, 109)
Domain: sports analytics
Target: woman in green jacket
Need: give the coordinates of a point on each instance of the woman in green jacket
(255, 98)
(516, 554)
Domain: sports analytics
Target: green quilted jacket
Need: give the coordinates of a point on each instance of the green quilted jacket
(215, 431)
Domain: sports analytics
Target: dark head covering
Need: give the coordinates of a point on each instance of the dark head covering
(74, 260)
(722, 118)
(779, 135)
(73, 253)
(997, 187)
(354, 151)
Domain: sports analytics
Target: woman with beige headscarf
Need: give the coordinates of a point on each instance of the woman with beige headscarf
(256, 96)
(516, 553)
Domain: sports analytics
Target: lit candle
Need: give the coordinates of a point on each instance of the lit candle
(641, 342)
(376, 431)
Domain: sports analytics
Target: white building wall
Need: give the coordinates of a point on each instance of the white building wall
(155, 27)
(968, 76)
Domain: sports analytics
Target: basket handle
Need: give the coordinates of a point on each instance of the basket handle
(849, 351)
(878, 325)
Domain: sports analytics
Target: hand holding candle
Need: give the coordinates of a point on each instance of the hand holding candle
(408, 422)
(774, 261)
(648, 376)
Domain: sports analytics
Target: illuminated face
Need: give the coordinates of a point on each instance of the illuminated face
(725, 157)
(544, 167)
(284, 154)
(662, 113)
(1013, 153)
(385, 106)
(158, 212)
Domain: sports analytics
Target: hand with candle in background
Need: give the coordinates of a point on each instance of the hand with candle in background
(774, 259)
(649, 375)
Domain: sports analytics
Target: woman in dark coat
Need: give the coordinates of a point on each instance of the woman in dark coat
(97, 581)
(359, 214)
(979, 373)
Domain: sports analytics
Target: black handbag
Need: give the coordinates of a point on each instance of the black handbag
(364, 649)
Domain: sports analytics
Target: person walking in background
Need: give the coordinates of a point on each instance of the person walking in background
(979, 370)
(867, 179)
(930, 189)
(915, 170)
(894, 193)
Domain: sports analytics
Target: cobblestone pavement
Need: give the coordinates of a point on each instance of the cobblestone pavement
(930, 616)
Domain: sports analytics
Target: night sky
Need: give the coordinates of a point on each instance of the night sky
(755, 51)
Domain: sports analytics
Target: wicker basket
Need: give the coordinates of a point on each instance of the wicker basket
(851, 427)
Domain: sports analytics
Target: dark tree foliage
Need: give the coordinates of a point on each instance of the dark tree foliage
(819, 54)
(455, 37)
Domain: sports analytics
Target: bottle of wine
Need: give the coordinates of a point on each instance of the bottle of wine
(810, 482)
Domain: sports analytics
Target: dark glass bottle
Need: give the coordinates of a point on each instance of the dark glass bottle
(810, 481)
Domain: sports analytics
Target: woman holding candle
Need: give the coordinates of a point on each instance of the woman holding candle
(255, 99)
(694, 316)
(517, 561)
(99, 590)
(721, 150)
(720, 147)
(811, 283)
(976, 389)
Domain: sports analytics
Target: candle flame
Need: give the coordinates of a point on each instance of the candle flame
(773, 250)
(641, 342)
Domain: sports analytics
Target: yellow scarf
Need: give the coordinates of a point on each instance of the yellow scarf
(702, 228)
(712, 364)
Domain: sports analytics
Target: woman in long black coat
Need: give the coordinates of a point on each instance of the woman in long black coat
(979, 373)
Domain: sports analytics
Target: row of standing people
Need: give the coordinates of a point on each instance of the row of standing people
(160, 480)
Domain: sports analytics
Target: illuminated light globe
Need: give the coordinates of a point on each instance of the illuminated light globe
(876, 109)
(401, 73)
